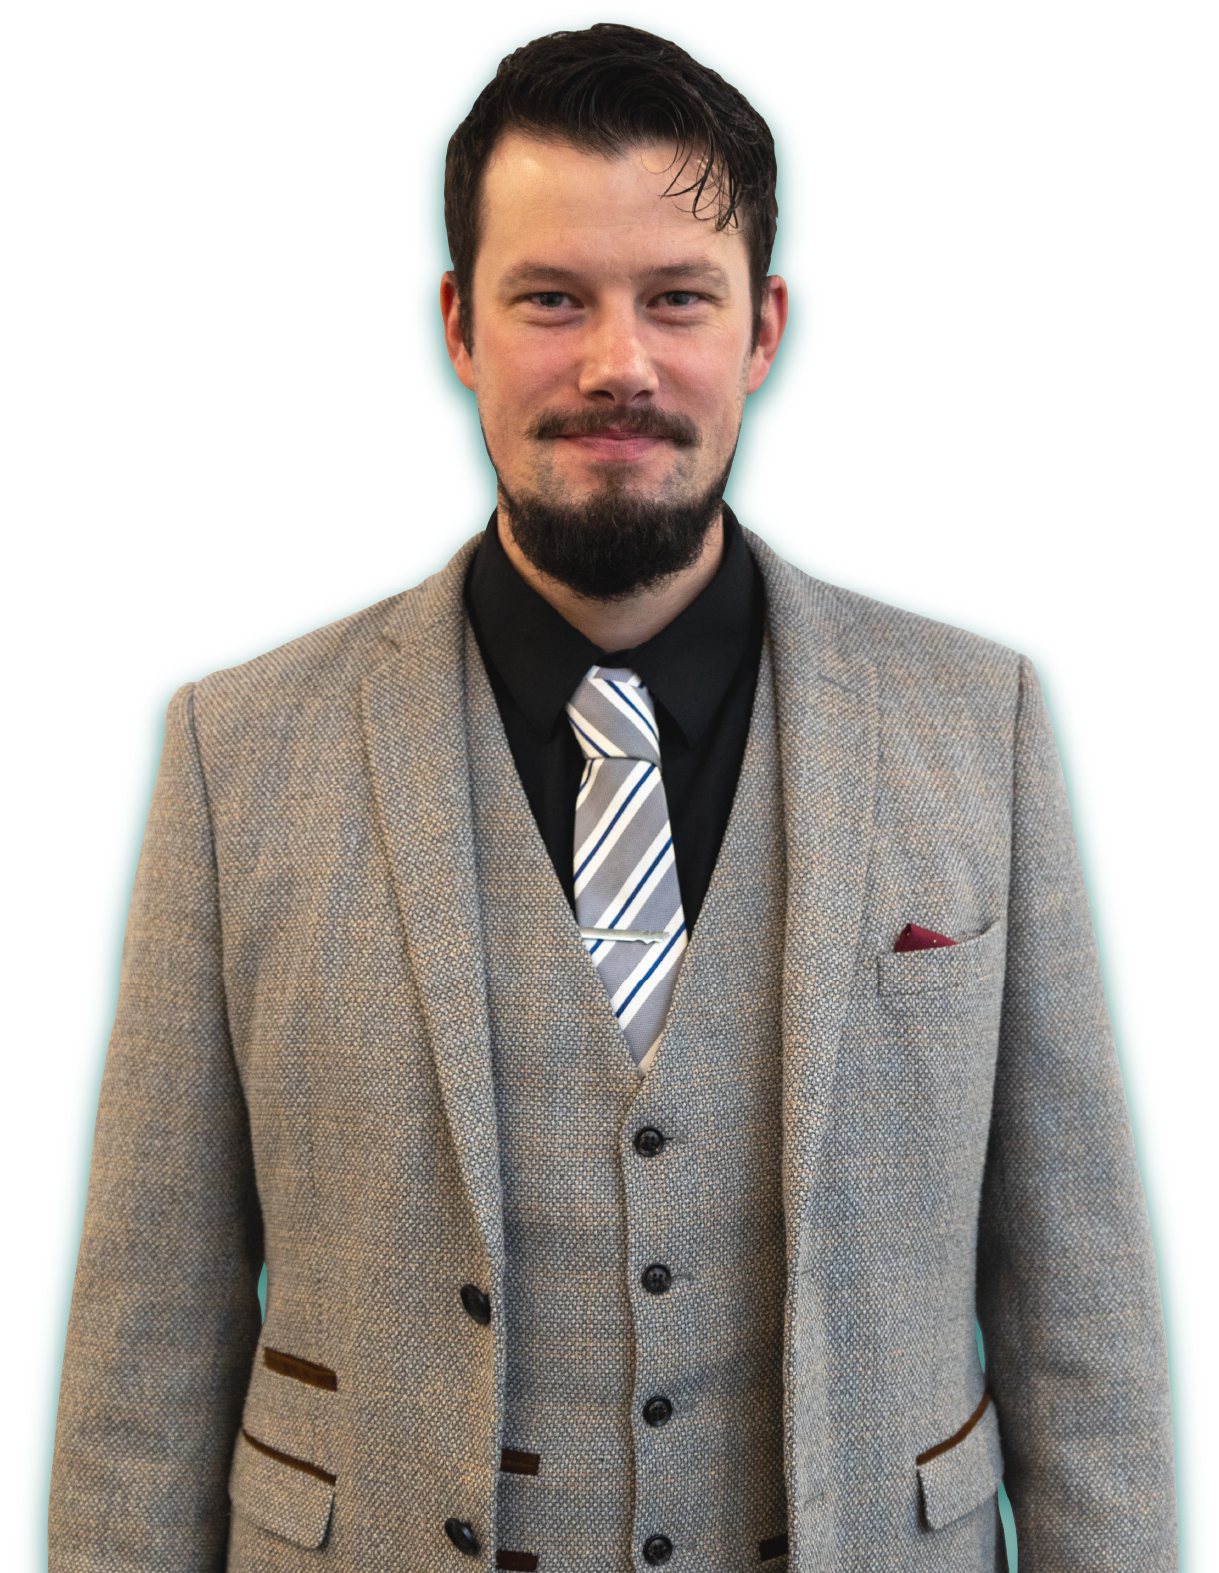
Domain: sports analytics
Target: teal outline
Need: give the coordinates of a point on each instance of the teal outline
(766, 411)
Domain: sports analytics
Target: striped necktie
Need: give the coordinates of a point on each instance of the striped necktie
(628, 903)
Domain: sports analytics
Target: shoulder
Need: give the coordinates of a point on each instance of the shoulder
(914, 660)
(332, 662)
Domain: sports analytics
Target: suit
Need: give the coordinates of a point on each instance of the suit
(302, 1070)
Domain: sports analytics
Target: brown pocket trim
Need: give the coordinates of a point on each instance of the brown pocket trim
(516, 1561)
(776, 1546)
(512, 1462)
(301, 1370)
(286, 1458)
(957, 1437)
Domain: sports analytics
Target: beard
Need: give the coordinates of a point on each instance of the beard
(617, 541)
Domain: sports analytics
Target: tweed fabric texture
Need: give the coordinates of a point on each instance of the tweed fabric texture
(301, 1067)
(585, 1212)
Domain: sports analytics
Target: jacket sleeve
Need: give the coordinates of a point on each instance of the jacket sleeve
(165, 1314)
(1068, 1299)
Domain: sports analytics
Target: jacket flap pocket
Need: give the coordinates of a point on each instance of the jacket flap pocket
(959, 1475)
(287, 1495)
(946, 967)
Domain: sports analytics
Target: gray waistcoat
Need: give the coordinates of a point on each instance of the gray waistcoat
(585, 1213)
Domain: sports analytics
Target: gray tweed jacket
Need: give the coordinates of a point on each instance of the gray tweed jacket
(300, 1072)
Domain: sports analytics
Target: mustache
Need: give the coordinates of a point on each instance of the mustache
(669, 425)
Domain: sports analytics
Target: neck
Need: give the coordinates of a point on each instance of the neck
(636, 618)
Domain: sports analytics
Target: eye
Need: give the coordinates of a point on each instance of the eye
(679, 297)
(550, 299)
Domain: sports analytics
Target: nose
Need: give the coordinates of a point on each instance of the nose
(617, 366)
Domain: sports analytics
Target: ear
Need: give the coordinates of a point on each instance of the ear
(774, 320)
(450, 310)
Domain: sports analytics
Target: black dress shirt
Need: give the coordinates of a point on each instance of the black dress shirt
(701, 671)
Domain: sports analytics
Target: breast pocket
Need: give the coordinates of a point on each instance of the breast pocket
(923, 1045)
(971, 964)
(942, 1007)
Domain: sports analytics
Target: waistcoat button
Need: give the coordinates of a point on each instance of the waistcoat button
(478, 1305)
(463, 1537)
(656, 1279)
(657, 1549)
(649, 1141)
(658, 1411)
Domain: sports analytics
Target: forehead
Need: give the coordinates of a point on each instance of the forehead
(543, 197)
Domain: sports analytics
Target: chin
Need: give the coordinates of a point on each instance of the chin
(616, 539)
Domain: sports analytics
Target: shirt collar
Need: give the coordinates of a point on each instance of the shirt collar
(686, 667)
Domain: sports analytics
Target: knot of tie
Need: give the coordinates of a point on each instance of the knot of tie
(612, 715)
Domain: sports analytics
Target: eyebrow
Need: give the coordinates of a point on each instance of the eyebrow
(540, 272)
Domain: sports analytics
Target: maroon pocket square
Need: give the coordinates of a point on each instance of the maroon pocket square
(914, 938)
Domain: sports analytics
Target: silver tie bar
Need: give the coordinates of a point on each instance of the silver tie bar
(643, 936)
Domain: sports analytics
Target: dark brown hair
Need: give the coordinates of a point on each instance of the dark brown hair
(605, 89)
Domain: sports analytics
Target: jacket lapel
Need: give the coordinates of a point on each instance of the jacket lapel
(414, 714)
(827, 711)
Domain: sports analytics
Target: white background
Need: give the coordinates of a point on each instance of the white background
(228, 418)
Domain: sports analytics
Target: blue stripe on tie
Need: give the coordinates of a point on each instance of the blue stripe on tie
(613, 922)
(621, 810)
(639, 711)
(588, 740)
(673, 938)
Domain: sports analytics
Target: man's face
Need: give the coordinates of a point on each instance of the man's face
(613, 342)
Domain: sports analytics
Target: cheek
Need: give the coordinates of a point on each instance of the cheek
(510, 375)
(708, 375)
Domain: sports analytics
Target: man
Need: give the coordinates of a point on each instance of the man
(639, 1002)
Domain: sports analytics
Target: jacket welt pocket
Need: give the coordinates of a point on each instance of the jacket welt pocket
(299, 1370)
(281, 1493)
(971, 961)
(959, 1474)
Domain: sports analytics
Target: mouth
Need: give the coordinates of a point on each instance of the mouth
(614, 445)
(616, 436)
